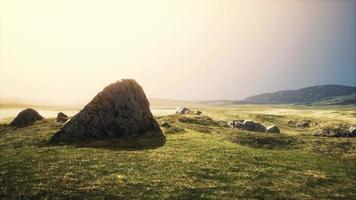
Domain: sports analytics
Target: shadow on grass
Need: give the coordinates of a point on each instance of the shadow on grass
(130, 143)
(265, 140)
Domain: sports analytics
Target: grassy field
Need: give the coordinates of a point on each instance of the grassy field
(201, 159)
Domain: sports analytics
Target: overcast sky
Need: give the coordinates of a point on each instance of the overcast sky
(66, 51)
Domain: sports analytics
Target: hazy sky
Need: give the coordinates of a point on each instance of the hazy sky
(66, 51)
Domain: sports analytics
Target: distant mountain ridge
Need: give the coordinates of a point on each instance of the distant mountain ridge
(315, 95)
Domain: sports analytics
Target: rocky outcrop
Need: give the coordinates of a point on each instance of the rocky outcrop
(26, 118)
(184, 110)
(334, 132)
(253, 126)
(302, 123)
(61, 117)
(120, 110)
(247, 125)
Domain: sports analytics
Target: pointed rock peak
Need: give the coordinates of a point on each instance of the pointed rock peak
(120, 109)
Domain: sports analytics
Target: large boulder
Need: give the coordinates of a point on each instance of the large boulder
(61, 117)
(253, 126)
(121, 109)
(273, 129)
(26, 117)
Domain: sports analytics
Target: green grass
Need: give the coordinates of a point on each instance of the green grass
(193, 164)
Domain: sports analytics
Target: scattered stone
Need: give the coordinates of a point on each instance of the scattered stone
(61, 117)
(334, 132)
(304, 124)
(26, 117)
(237, 124)
(121, 109)
(250, 125)
(183, 110)
(198, 112)
(273, 129)
(352, 131)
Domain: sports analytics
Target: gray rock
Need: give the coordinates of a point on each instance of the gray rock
(26, 118)
(230, 124)
(61, 117)
(305, 124)
(121, 109)
(253, 126)
(273, 129)
(183, 110)
(352, 131)
(334, 132)
(238, 124)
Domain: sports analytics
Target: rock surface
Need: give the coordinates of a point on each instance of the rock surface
(334, 132)
(302, 123)
(183, 110)
(26, 117)
(61, 117)
(253, 126)
(352, 131)
(273, 129)
(236, 124)
(121, 109)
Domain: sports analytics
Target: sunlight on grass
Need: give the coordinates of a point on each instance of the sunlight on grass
(222, 163)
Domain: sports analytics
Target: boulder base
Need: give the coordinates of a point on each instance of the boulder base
(120, 110)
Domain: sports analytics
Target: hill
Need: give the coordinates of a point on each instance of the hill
(316, 95)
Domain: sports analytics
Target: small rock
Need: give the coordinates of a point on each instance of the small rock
(352, 131)
(183, 110)
(237, 124)
(253, 126)
(198, 112)
(273, 129)
(26, 117)
(304, 124)
(334, 132)
(61, 117)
